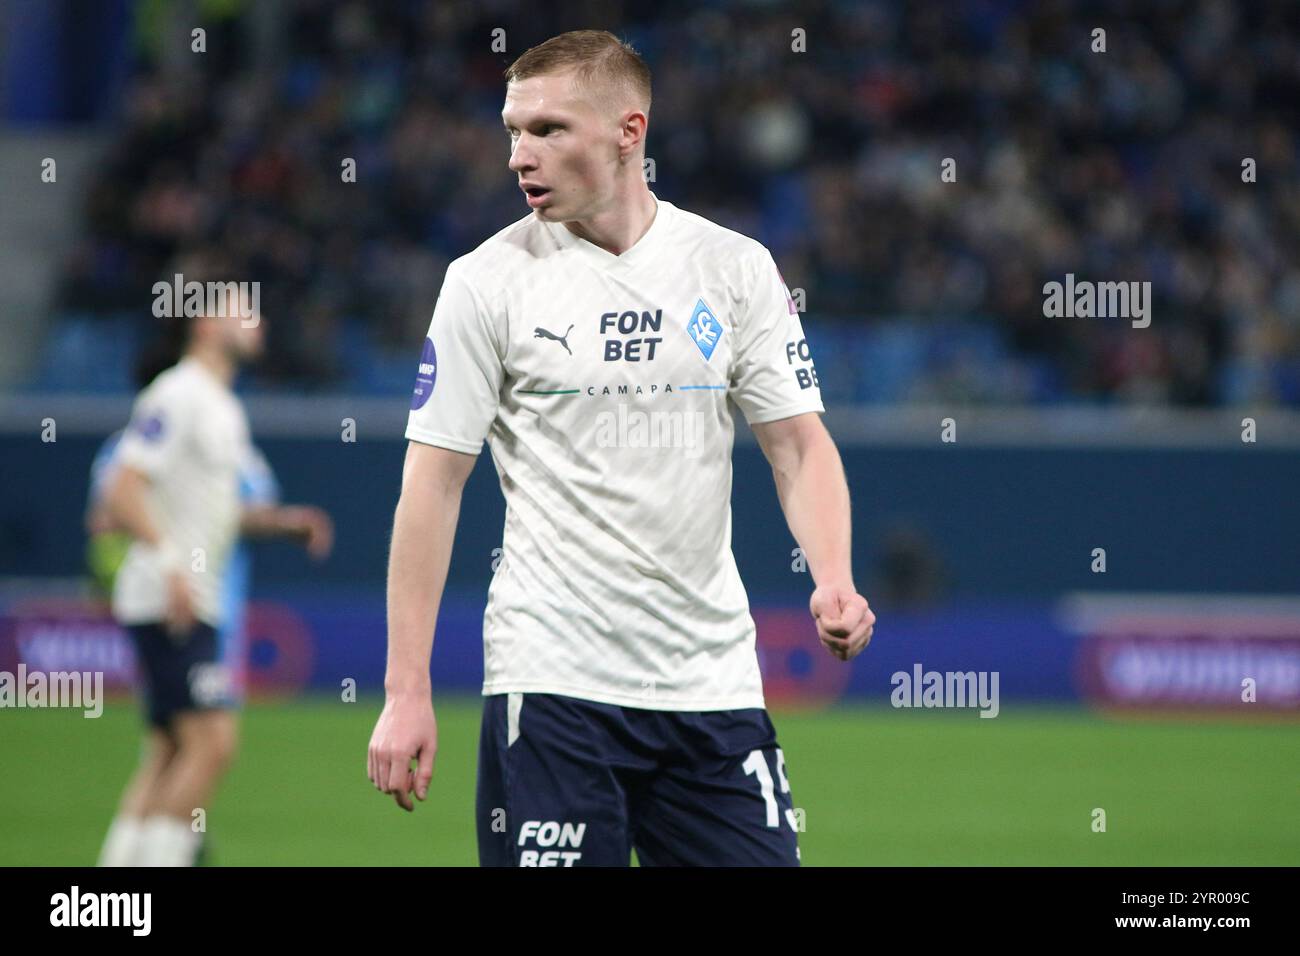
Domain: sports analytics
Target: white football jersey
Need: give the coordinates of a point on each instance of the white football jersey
(189, 434)
(601, 384)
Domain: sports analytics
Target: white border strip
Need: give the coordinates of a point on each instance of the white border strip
(1082, 611)
(311, 416)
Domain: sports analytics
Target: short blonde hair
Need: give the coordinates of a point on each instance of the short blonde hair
(600, 60)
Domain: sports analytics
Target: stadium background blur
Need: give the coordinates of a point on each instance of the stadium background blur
(1121, 689)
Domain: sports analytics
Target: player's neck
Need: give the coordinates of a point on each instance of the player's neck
(623, 226)
(215, 361)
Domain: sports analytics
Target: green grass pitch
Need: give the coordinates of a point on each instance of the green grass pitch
(877, 786)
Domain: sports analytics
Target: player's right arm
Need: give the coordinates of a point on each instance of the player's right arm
(457, 391)
(424, 526)
(155, 437)
(127, 504)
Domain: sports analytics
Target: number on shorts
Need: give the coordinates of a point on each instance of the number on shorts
(756, 765)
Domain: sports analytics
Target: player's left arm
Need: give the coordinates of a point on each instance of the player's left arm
(306, 523)
(814, 495)
(774, 383)
(264, 516)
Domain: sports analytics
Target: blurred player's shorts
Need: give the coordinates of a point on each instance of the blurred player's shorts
(181, 675)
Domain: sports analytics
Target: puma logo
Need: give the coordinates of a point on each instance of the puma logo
(541, 333)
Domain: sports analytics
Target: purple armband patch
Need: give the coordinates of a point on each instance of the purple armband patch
(426, 376)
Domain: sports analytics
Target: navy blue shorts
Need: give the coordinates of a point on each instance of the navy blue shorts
(180, 674)
(569, 782)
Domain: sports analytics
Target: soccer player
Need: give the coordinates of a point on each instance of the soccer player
(595, 344)
(262, 516)
(175, 488)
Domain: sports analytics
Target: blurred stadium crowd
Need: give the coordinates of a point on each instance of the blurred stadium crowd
(1115, 166)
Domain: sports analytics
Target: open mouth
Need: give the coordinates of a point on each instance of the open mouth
(536, 194)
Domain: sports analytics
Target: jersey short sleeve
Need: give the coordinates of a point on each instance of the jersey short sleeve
(772, 372)
(156, 432)
(458, 383)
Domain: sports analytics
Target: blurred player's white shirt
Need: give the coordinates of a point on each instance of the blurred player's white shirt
(189, 434)
(613, 443)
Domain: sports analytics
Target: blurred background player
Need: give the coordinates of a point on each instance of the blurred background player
(263, 517)
(183, 481)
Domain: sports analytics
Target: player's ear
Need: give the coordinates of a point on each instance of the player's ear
(632, 128)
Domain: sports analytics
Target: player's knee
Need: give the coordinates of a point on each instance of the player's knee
(211, 736)
(157, 754)
(224, 744)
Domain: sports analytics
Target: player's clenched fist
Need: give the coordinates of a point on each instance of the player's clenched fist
(844, 621)
(405, 731)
